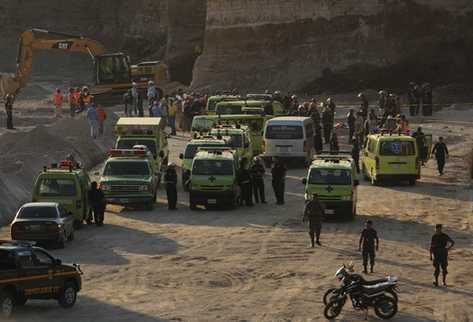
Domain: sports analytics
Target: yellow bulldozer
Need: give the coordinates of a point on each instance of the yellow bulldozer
(113, 73)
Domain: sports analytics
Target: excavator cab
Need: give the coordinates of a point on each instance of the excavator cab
(112, 69)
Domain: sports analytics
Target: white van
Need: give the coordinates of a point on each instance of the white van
(289, 137)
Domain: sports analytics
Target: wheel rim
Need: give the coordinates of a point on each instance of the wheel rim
(69, 295)
(7, 306)
(386, 307)
(335, 309)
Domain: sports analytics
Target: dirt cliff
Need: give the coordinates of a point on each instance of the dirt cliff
(339, 45)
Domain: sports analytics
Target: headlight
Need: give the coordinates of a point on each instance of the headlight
(346, 198)
(105, 187)
(144, 187)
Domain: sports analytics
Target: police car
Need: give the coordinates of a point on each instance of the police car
(29, 272)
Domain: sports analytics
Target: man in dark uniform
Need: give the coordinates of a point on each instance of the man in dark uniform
(171, 185)
(351, 118)
(427, 99)
(9, 98)
(441, 154)
(327, 123)
(313, 212)
(257, 178)
(419, 92)
(318, 143)
(364, 105)
(369, 244)
(278, 173)
(355, 154)
(244, 181)
(439, 247)
(97, 201)
(421, 144)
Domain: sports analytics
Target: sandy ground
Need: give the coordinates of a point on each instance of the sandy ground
(254, 264)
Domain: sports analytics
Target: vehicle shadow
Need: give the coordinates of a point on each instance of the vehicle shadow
(104, 245)
(86, 309)
(459, 191)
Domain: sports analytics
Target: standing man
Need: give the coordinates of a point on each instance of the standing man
(427, 99)
(441, 154)
(97, 201)
(351, 118)
(334, 148)
(172, 112)
(93, 120)
(278, 173)
(419, 92)
(257, 179)
(439, 247)
(171, 185)
(85, 99)
(421, 145)
(313, 212)
(244, 181)
(101, 117)
(152, 95)
(135, 95)
(364, 105)
(367, 245)
(9, 98)
(359, 129)
(327, 122)
(318, 143)
(355, 154)
(127, 101)
(58, 98)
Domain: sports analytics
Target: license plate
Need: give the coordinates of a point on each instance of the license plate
(329, 211)
(212, 201)
(284, 149)
(396, 166)
(35, 227)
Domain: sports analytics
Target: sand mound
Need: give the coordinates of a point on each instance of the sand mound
(23, 154)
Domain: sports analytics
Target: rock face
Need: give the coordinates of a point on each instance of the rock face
(186, 19)
(315, 45)
(137, 27)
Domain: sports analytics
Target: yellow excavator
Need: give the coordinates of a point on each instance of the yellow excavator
(113, 73)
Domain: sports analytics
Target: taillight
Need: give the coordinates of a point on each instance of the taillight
(53, 227)
(377, 163)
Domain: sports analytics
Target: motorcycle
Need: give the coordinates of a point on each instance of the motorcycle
(362, 296)
(345, 275)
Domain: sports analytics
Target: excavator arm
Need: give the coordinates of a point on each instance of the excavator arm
(34, 39)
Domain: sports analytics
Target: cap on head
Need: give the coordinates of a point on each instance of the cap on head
(150, 82)
(171, 165)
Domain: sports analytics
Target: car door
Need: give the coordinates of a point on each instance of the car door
(45, 262)
(67, 220)
(34, 276)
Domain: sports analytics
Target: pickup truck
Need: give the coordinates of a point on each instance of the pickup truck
(29, 272)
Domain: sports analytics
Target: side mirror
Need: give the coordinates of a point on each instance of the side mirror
(356, 182)
(181, 156)
(304, 181)
(57, 262)
(161, 154)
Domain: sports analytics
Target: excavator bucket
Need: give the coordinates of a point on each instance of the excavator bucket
(9, 84)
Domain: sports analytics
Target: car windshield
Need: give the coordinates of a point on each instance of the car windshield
(191, 149)
(127, 168)
(284, 132)
(37, 213)
(211, 104)
(228, 109)
(202, 124)
(212, 167)
(130, 143)
(397, 148)
(330, 177)
(57, 187)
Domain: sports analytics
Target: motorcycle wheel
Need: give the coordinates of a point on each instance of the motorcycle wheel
(385, 308)
(330, 295)
(333, 309)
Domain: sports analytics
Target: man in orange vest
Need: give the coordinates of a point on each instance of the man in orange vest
(85, 99)
(58, 99)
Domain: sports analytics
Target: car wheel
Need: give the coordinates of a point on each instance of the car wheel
(62, 241)
(7, 304)
(71, 236)
(20, 300)
(68, 297)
